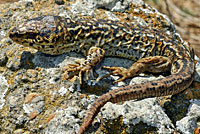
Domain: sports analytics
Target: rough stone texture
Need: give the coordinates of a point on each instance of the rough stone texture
(34, 104)
(197, 74)
(34, 97)
(3, 58)
(64, 121)
(147, 111)
(3, 90)
(187, 124)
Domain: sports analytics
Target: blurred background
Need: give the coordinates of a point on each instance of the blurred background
(185, 14)
(4, 1)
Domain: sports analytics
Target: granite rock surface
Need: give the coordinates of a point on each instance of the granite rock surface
(35, 99)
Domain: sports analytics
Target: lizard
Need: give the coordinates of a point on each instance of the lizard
(151, 50)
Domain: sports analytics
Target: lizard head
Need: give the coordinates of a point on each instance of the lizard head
(42, 33)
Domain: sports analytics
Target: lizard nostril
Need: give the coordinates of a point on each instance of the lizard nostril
(11, 35)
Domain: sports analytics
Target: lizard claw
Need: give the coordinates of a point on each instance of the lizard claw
(77, 68)
(121, 79)
(94, 56)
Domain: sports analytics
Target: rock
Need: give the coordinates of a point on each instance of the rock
(188, 124)
(197, 74)
(3, 58)
(59, 2)
(146, 111)
(63, 121)
(30, 97)
(18, 131)
(33, 105)
(14, 63)
(3, 90)
(34, 94)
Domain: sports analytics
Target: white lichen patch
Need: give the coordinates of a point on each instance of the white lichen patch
(3, 90)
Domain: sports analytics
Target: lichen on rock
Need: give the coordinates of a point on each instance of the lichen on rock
(35, 99)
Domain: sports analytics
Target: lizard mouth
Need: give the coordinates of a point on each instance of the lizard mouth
(14, 34)
(19, 36)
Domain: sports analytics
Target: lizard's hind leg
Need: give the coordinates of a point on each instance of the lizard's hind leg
(155, 64)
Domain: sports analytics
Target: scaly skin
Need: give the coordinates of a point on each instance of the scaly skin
(153, 51)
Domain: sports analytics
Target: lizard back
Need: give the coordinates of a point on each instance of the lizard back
(56, 35)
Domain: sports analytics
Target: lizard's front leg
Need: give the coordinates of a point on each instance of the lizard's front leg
(94, 56)
(155, 64)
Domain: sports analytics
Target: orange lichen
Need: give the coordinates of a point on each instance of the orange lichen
(196, 131)
(30, 97)
(51, 117)
(193, 93)
(33, 114)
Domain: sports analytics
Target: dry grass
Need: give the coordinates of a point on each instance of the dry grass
(5, 1)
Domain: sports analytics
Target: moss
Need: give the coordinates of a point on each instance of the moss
(115, 126)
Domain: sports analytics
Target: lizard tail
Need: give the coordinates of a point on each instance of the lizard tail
(94, 110)
(113, 96)
(179, 80)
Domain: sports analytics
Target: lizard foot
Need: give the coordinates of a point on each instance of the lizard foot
(125, 73)
(154, 64)
(94, 56)
(78, 68)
